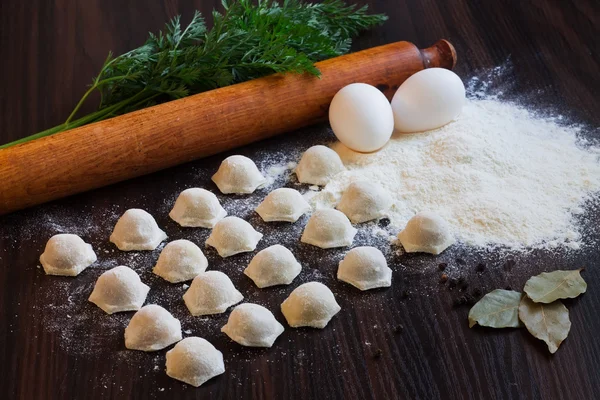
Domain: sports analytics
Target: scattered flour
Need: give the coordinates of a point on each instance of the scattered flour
(498, 174)
(276, 172)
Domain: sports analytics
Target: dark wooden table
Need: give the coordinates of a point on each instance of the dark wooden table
(54, 344)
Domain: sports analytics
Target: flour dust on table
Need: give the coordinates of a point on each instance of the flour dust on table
(500, 176)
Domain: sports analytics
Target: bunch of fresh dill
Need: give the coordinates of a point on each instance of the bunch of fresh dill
(248, 40)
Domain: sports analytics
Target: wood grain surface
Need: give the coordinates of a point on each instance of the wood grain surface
(55, 345)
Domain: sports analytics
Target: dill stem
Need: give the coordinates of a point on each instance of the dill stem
(80, 103)
(96, 85)
(93, 117)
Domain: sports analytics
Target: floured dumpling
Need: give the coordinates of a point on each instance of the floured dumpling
(119, 289)
(272, 266)
(252, 325)
(310, 304)
(363, 201)
(180, 261)
(211, 292)
(194, 361)
(328, 228)
(365, 268)
(137, 230)
(426, 232)
(152, 328)
(283, 204)
(318, 165)
(233, 235)
(238, 174)
(197, 207)
(66, 254)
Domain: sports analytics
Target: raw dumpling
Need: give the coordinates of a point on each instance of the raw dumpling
(252, 325)
(180, 260)
(366, 268)
(151, 329)
(119, 289)
(318, 165)
(426, 232)
(66, 254)
(272, 266)
(363, 201)
(211, 292)
(233, 235)
(197, 208)
(238, 174)
(328, 228)
(137, 230)
(283, 204)
(310, 304)
(194, 361)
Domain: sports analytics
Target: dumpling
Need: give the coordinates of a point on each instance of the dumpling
(363, 201)
(233, 235)
(310, 304)
(152, 328)
(119, 289)
(211, 292)
(252, 325)
(197, 207)
(426, 232)
(328, 228)
(137, 230)
(194, 361)
(238, 174)
(283, 204)
(180, 261)
(318, 165)
(365, 268)
(66, 254)
(272, 266)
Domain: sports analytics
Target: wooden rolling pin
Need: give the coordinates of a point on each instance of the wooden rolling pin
(183, 130)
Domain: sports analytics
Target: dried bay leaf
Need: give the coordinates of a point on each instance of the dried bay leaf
(550, 286)
(547, 322)
(497, 309)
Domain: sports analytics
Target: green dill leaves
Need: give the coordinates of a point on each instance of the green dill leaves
(249, 39)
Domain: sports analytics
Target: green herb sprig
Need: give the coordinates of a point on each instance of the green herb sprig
(248, 40)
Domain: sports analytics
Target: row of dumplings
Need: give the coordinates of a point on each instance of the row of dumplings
(311, 304)
(238, 174)
(362, 201)
(211, 292)
(194, 360)
(326, 228)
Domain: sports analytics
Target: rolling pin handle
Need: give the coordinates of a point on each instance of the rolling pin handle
(440, 55)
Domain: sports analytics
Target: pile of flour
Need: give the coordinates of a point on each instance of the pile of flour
(499, 175)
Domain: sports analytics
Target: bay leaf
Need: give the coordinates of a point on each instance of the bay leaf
(497, 309)
(550, 286)
(547, 322)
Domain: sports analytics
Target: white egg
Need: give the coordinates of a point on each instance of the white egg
(361, 117)
(428, 100)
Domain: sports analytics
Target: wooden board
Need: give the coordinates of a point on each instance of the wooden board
(56, 345)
